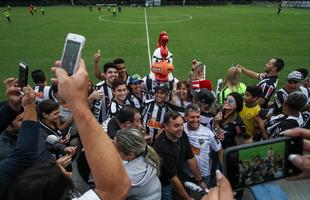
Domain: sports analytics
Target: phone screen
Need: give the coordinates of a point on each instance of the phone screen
(23, 75)
(70, 56)
(262, 163)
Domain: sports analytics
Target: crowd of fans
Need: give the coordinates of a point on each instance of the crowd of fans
(138, 139)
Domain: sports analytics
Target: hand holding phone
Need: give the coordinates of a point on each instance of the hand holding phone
(260, 162)
(301, 162)
(72, 52)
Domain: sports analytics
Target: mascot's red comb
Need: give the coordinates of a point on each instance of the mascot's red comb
(162, 44)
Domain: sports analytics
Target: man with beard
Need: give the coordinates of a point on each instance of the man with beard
(268, 79)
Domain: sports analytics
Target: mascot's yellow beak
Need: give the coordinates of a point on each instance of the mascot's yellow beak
(161, 70)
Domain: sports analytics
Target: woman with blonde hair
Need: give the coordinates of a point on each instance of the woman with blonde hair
(142, 165)
(232, 83)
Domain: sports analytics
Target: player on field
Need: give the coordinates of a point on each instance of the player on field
(7, 15)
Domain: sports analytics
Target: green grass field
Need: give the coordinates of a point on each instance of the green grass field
(218, 36)
(248, 154)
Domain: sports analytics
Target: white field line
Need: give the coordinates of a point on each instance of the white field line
(147, 37)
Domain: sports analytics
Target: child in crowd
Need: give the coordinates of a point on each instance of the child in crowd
(154, 111)
(136, 96)
(250, 108)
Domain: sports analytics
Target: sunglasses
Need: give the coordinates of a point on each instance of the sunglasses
(230, 100)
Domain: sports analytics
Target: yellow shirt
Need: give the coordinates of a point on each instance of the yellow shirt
(248, 115)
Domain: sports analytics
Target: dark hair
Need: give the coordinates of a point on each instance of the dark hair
(188, 87)
(108, 65)
(239, 100)
(127, 113)
(43, 181)
(279, 64)
(303, 71)
(47, 106)
(118, 61)
(171, 115)
(117, 82)
(296, 101)
(38, 76)
(254, 90)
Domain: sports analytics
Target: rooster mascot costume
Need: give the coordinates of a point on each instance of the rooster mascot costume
(162, 67)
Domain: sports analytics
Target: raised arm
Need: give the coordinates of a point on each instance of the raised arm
(25, 152)
(248, 72)
(97, 58)
(109, 173)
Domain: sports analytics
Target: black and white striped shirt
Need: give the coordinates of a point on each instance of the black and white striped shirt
(281, 122)
(114, 108)
(100, 107)
(153, 117)
(43, 93)
(135, 101)
(268, 85)
(281, 96)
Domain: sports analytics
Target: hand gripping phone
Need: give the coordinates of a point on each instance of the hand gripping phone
(72, 51)
(251, 164)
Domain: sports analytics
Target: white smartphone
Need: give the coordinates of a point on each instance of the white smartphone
(71, 54)
(22, 74)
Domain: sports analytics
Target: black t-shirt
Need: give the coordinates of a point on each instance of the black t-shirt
(232, 129)
(113, 127)
(173, 156)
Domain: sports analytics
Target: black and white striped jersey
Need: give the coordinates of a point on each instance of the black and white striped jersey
(268, 85)
(100, 107)
(281, 122)
(281, 96)
(135, 101)
(43, 93)
(114, 109)
(153, 117)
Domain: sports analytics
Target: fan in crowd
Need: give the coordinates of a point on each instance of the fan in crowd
(166, 131)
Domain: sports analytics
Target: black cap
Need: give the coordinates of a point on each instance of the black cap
(163, 87)
(203, 96)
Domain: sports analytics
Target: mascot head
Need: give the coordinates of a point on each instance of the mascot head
(162, 59)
